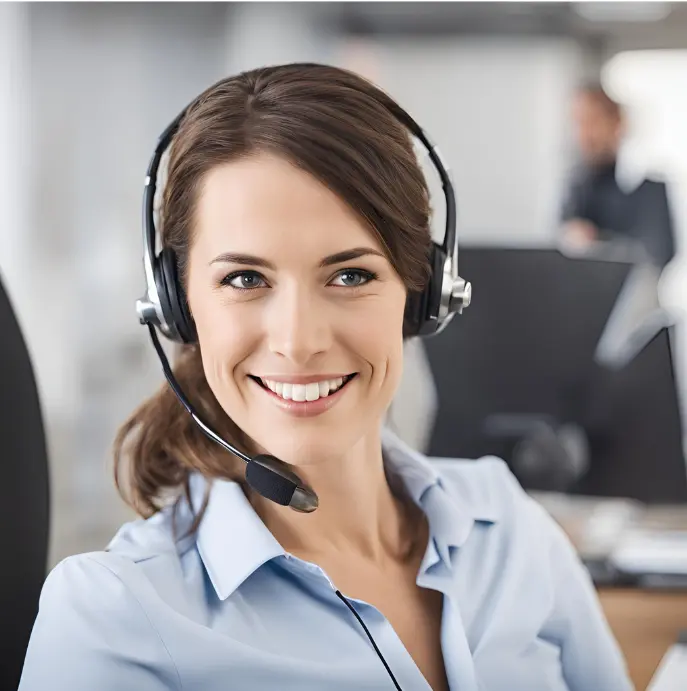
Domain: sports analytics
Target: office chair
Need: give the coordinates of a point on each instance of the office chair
(24, 497)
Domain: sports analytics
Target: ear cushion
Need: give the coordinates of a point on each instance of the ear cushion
(413, 310)
(434, 299)
(175, 297)
(161, 286)
(422, 308)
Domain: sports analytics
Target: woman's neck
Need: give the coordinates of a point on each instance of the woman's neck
(358, 513)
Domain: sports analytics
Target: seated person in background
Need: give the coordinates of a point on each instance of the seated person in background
(300, 221)
(596, 208)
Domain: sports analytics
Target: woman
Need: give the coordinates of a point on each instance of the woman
(299, 220)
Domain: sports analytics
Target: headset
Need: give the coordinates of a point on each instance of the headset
(164, 307)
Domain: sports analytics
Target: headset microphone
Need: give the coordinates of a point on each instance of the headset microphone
(266, 474)
(164, 307)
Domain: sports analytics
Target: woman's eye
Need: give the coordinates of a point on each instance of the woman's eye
(244, 280)
(353, 278)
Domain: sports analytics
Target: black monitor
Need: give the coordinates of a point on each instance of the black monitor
(634, 425)
(523, 347)
(526, 347)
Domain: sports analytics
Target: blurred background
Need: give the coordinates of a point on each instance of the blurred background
(584, 395)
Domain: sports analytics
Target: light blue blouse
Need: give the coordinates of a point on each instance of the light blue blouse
(228, 609)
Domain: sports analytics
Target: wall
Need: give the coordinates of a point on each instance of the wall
(105, 80)
(498, 109)
(268, 33)
(15, 169)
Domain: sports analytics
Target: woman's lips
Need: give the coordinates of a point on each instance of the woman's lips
(306, 408)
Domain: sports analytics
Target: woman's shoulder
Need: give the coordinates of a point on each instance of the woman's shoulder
(475, 471)
(487, 480)
(485, 487)
(97, 610)
(145, 562)
(94, 578)
(490, 490)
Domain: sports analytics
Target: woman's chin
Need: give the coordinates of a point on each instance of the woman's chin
(306, 450)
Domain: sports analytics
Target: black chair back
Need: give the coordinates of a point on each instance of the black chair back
(24, 497)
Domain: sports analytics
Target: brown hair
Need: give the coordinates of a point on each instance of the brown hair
(339, 128)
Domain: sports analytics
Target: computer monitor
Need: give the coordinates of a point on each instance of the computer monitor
(528, 346)
(635, 431)
(524, 346)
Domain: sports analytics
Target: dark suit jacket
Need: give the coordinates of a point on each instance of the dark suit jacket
(642, 215)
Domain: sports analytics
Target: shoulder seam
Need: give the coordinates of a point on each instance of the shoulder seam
(145, 614)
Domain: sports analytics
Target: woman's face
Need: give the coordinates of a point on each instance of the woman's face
(299, 314)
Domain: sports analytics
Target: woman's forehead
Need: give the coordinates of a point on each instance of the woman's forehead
(266, 202)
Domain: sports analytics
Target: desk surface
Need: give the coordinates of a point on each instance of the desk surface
(646, 624)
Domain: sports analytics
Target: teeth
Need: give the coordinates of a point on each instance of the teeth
(304, 392)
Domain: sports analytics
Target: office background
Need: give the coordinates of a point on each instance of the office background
(86, 88)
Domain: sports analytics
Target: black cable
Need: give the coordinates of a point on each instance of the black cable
(174, 384)
(372, 640)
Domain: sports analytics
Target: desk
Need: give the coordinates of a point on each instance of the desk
(645, 623)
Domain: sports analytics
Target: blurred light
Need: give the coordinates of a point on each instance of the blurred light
(622, 11)
(650, 85)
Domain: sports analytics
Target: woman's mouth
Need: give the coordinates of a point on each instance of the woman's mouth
(305, 399)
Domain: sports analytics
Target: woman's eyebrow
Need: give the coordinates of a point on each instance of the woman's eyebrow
(239, 258)
(348, 255)
(331, 260)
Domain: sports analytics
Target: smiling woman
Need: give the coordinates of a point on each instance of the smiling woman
(296, 256)
(300, 232)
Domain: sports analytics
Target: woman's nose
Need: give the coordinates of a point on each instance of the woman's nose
(298, 325)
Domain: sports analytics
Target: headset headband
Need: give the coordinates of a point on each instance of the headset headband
(454, 294)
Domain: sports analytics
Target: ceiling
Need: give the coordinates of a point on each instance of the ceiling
(624, 24)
